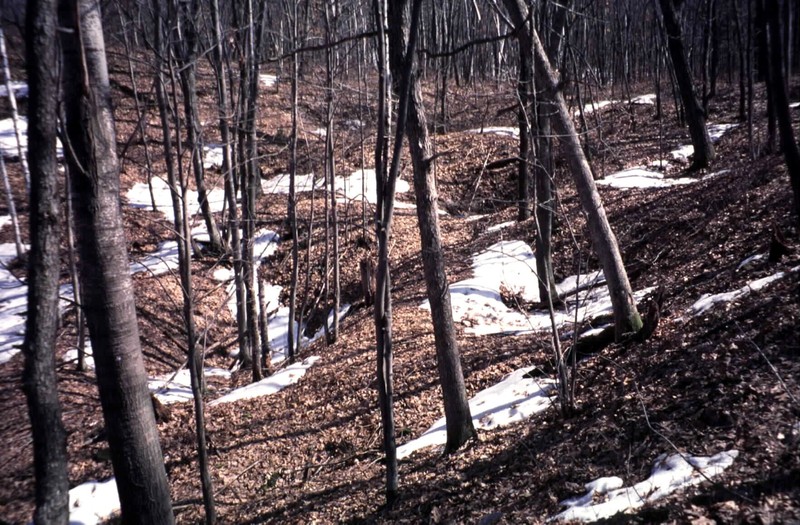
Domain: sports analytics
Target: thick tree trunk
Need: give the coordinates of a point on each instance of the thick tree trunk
(108, 290)
(456, 405)
(696, 118)
(626, 316)
(39, 377)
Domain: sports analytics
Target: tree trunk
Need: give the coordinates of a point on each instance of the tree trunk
(456, 405)
(703, 148)
(39, 377)
(108, 290)
(790, 147)
(626, 316)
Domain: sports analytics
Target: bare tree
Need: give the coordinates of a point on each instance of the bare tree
(695, 116)
(39, 378)
(626, 316)
(108, 290)
(402, 41)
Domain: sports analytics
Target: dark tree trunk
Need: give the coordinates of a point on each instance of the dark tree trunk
(39, 377)
(696, 118)
(451, 377)
(107, 287)
(777, 77)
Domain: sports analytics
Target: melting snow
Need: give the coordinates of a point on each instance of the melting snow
(93, 502)
(606, 497)
(503, 131)
(709, 301)
(268, 80)
(347, 187)
(715, 132)
(212, 156)
(642, 178)
(177, 387)
(20, 89)
(8, 139)
(510, 266)
(139, 197)
(270, 385)
(514, 399)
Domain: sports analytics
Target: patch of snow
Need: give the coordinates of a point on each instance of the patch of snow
(177, 388)
(510, 266)
(20, 89)
(353, 124)
(270, 385)
(161, 261)
(750, 260)
(8, 138)
(498, 227)
(794, 105)
(5, 219)
(139, 197)
(709, 301)
(608, 496)
(503, 131)
(516, 398)
(268, 80)
(71, 355)
(642, 178)
(715, 132)
(595, 106)
(14, 304)
(302, 183)
(212, 156)
(93, 502)
(223, 275)
(648, 99)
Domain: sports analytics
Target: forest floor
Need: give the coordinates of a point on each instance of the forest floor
(726, 379)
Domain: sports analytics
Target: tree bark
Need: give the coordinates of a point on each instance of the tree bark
(39, 377)
(626, 316)
(451, 377)
(108, 290)
(791, 151)
(695, 117)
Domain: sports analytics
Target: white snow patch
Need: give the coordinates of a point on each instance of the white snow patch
(223, 275)
(648, 99)
(268, 80)
(608, 496)
(794, 105)
(715, 132)
(93, 502)
(511, 266)
(177, 387)
(709, 301)
(212, 156)
(8, 139)
(347, 187)
(20, 89)
(270, 385)
(750, 260)
(139, 197)
(5, 219)
(302, 183)
(642, 178)
(498, 227)
(71, 355)
(503, 131)
(161, 261)
(516, 398)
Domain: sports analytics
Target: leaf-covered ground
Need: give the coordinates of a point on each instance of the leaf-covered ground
(727, 379)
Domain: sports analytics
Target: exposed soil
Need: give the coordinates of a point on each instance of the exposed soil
(311, 453)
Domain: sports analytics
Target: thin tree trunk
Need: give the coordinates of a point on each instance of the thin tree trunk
(703, 148)
(108, 290)
(626, 316)
(39, 378)
(12, 209)
(12, 102)
(402, 40)
(791, 150)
